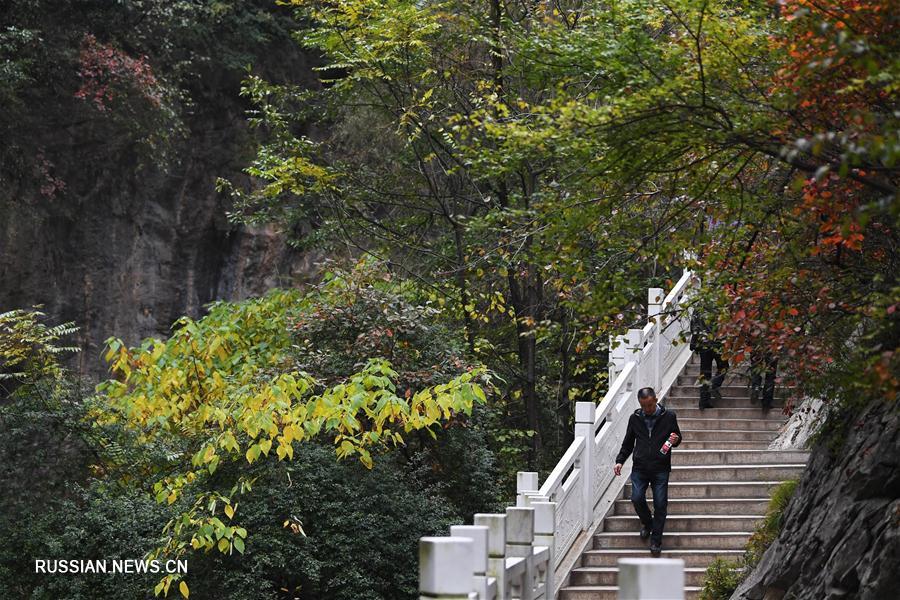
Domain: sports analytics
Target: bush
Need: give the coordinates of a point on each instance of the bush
(722, 578)
(354, 536)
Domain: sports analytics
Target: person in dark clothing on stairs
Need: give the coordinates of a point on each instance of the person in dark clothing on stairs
(763, 368)
(652, 432)
(709, 349)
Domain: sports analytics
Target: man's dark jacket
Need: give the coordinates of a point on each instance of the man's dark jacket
(647, 457)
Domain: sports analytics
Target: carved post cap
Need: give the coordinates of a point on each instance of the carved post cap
(446, 566)
(496, 525)
(526, 481)
(544, 518)
(584, 412)
(519, 525)
(479, 536)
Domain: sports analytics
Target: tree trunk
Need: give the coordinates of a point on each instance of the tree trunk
(525, 300)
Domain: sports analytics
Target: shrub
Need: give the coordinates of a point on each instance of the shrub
(722, 578)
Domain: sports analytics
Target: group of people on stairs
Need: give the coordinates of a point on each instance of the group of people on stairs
(763, 366)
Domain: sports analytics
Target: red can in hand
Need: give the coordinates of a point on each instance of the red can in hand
(666, 447)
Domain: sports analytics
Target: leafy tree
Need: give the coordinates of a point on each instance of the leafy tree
(29, 348)
(308, 520)
(539, 164)
(120, 85)
(226, 390)
(485, 186)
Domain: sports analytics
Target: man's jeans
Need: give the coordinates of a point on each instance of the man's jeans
(660, 482)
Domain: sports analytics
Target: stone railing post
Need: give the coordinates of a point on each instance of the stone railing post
(651, 579)
(617, 345)
(655, 298)
(545, 535)
(496, 566)
(584, 427)
(633, 350)
(479, 536)
(526, 481)
(520, 544)
(446, 568)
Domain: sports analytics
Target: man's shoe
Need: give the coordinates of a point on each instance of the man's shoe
(655, 548)
(705, 405)
(645, 533)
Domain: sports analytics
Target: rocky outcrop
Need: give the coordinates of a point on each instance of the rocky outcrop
(127, 249)
(841, 533)
(801, 425)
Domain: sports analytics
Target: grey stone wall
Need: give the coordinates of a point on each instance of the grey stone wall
(841, 536)
(127, 249)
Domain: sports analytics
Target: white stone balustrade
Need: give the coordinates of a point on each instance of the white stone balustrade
(529, 551)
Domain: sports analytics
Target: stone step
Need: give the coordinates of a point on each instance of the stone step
(727, 435)
(694, 369)
(589, 576)
(687, 523)
(685, 456)
(691, 558)
(703, 506)
(737, 374)
(747, 411)
(610, 592)
(736, 391)
(694, 540)
(741, 424)
(730, 379)
(722, 445)
(740, 385)
(714, 489)
(693, 401)
(734, 473)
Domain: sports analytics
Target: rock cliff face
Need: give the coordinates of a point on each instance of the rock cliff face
(127, 250)
(841, 534)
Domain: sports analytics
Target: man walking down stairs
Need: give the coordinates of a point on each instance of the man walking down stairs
(721, 479)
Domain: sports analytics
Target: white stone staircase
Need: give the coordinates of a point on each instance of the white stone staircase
(722, 476)
(564, 536)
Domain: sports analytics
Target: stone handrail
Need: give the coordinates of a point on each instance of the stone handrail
(526, 553)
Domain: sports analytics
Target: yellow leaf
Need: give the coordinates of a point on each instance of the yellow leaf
(183, 588)
(229, 510)
(265, 446)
